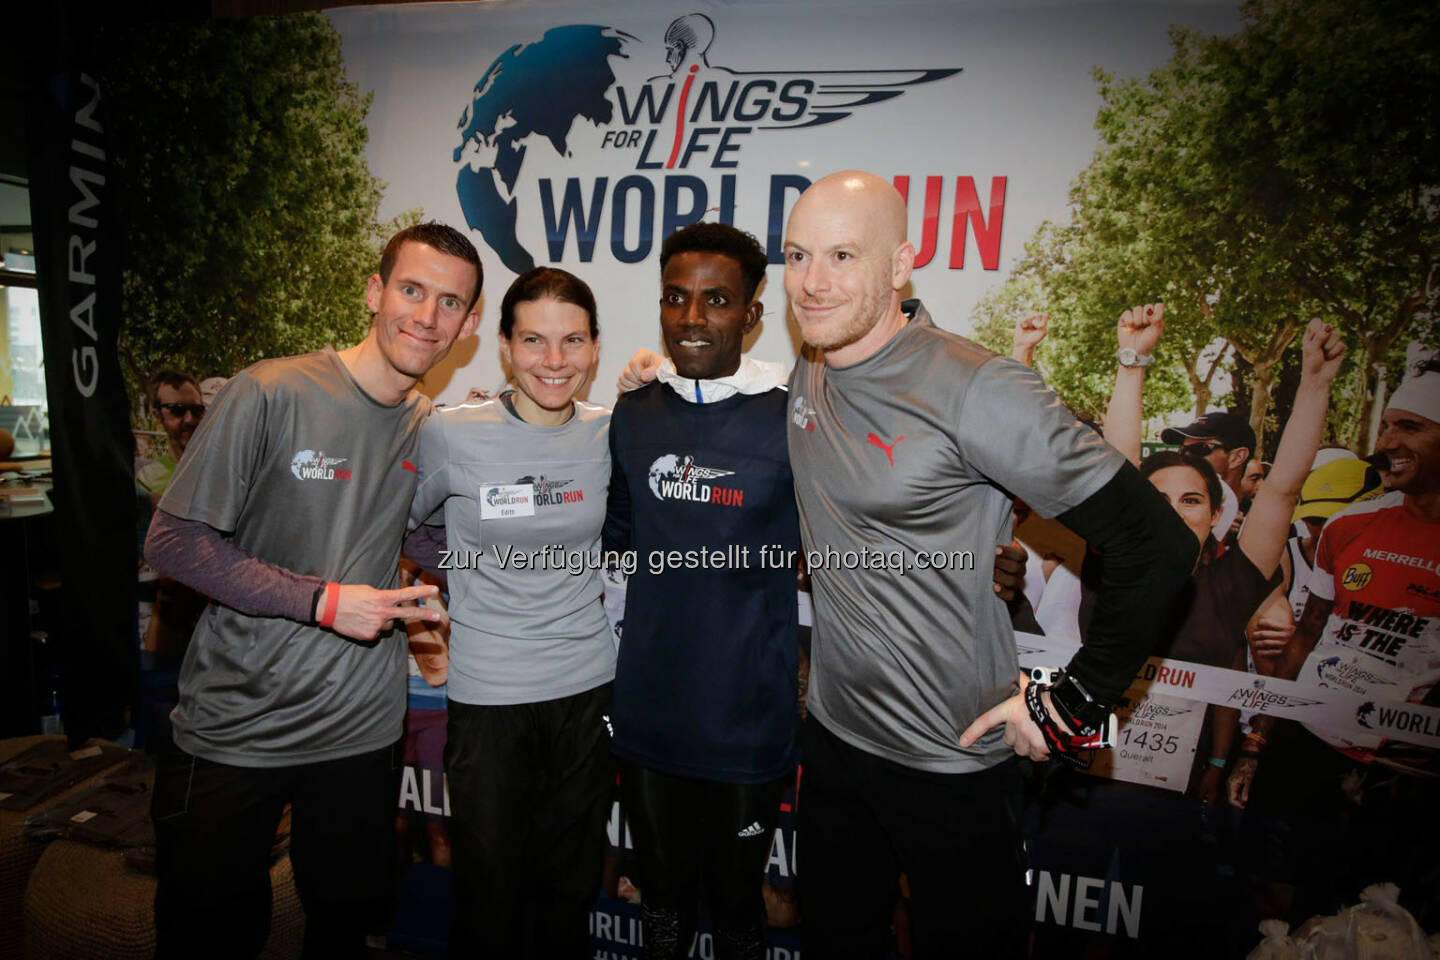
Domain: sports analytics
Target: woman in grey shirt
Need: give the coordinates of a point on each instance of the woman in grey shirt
(522, 481)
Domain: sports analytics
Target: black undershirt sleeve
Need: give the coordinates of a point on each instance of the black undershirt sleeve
(1149, 554)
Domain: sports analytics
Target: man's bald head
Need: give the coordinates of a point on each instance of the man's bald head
(846, 261)
(864, 196)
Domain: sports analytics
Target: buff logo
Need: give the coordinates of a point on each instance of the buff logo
(1357, 577)
(674, 110)
(314, 465)
(672, 477)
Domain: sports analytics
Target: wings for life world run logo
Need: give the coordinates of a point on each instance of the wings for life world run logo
(552, 493)
(314, 465)
(673, 477)
(690, 116)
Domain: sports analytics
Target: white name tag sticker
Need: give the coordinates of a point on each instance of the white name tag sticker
(504, 500)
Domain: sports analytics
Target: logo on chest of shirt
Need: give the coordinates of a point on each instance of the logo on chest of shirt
(1357, 576)
(889, 448)
(676, 477)
(314, 465)
(552, 493)
(1420, 590)
(802, 415)
(1402, 559)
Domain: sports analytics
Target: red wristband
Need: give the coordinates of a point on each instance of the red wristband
(332, 604)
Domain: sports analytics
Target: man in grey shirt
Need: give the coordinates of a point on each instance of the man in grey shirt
(908, 444)
(288, 511)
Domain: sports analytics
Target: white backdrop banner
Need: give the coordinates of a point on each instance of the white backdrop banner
(581, 135)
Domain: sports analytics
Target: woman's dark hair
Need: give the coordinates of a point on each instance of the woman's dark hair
(1163, 459)
(546, 283)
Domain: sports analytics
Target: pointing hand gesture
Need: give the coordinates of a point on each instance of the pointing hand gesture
(1020, 731)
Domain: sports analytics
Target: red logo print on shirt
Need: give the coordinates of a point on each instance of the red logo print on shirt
(889, 449)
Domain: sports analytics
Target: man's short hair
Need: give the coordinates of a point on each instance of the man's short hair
(173, 379)
(444, 238)
(725, 240)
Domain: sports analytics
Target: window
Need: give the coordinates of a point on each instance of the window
(23, 406)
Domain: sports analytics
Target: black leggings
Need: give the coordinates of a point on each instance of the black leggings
(690, 834)
(530, 785)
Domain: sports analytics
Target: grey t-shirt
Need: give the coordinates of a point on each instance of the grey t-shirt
(523, 509)
(917, 451)
(310, 473)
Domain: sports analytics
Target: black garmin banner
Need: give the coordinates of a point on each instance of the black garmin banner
(71, 183)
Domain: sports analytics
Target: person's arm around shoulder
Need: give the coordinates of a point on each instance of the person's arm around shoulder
(433, 468)
(643, 367)
(618, 535)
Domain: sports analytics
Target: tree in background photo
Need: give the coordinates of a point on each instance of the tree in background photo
(1285, 172)
(251, 217)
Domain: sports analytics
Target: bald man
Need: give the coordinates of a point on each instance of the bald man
(909, 441)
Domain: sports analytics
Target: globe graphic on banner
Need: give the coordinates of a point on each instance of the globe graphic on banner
(540, 87)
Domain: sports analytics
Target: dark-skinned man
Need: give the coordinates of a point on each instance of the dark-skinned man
(705, 688)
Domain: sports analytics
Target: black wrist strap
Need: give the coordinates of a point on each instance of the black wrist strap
(1076, 707)
(1076, 749)
(315, 603)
